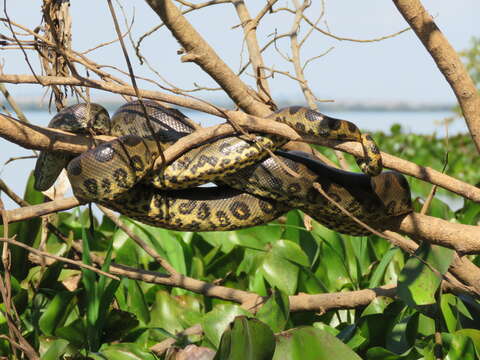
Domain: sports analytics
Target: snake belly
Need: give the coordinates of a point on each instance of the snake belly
(118, 174)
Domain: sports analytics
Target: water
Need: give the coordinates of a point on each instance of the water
(16, 172)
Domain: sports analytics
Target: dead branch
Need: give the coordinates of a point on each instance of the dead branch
(114, 88)
(58, 258)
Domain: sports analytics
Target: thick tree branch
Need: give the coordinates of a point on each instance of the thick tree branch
(463, 238)
(340, 300)
(447, 60)
(200, 52)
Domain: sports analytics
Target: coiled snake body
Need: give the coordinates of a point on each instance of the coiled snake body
(253, 187)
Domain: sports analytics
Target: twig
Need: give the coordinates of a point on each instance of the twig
(114, 88)
(147, 248)
(58, 258)
(21, 116)
(250, 36)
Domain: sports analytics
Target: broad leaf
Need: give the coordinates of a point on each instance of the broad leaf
(309, 343)
(246, 339)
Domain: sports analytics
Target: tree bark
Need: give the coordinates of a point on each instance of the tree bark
(447, 60)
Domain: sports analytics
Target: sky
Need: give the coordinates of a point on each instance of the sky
(393, 70)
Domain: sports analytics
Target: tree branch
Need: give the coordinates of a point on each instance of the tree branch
(250, 35)
(187, 102)
(463, 238)
(447, 60)
(200, 52)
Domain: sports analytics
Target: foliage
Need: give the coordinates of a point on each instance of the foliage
(67, 313)
(471, 58)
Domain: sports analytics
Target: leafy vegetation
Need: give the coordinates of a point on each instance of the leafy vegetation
(70, 313)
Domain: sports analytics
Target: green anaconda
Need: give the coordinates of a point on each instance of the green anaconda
(253, 187)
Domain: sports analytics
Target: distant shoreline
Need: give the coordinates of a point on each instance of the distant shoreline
(338, 106)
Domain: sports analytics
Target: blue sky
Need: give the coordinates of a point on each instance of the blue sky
(392, 70)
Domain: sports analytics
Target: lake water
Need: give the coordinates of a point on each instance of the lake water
(16, 172)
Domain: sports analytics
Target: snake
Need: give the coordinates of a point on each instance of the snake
(253, 187)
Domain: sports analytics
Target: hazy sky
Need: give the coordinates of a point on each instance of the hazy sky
(397, 69)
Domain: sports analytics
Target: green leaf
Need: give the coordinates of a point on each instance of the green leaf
(470, 213)
(379, 353)
(173, 313)
(460, 346)
(280, 273)
(333, 270)
(216, 321)
(474, 335)
(377, 305)
(56, 312)
(56, 350)
(447, 301)
(327, 328)
(293, 226)
(27, 232)
(352, 336)
(290, 251)
(426, 326)
(275, 312)
(417, 282)
(309, 343)
(74, 332)
(165, 242)
(379, 272)
(246, 339)
(138, 304)
(125, 351)
(402, 336)
(118, 323)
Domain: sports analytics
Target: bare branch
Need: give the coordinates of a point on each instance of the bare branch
(256, 60)
(115, 88)
(58, 258)
(200, 52)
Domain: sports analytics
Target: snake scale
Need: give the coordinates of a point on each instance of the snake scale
(253, 188)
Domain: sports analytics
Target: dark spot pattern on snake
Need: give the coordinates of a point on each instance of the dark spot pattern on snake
(120, 176)
(222, 218)
(106, 186)
(203, 212)
(91, 186)
(352, 127)
(187, 208)
(131, 140)
(136, 163)
(240, 210)
(294, 109)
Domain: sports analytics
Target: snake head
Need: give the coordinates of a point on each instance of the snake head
(80, 118)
